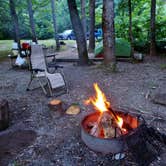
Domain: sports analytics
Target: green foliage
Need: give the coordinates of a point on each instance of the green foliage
(44, 26)
(98, 15)
(140, 21)
(5, 20)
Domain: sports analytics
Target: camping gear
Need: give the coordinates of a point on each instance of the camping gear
(39, 70)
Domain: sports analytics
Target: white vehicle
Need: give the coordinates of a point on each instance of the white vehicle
(67, 35)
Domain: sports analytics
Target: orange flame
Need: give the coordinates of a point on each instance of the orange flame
(99, 101)
(120, 123)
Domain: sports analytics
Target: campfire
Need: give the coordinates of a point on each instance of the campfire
(108, 124)
(107, 130)
(119, 132)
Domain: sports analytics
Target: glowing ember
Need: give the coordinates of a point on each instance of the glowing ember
(100, 103)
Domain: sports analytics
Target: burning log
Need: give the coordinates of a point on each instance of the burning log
(95, 129)
(109, 123)
(109, 126)
(124, 124)
(104, 127)
(4, 114)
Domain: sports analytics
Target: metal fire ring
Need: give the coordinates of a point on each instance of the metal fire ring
(109, 145)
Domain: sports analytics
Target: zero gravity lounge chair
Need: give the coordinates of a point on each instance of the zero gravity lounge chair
(39, 69)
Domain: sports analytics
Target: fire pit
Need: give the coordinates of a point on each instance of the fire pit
(114, 145)
(106, 130)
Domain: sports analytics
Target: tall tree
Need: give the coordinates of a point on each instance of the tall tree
(78, 29)
(92, 25)
(54, 23)
(15, 24)
(130, 29)
(83, 15)
(31, 20)
(109, 33)
(152, 28)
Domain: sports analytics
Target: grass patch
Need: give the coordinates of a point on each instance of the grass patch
(48, 42)
(4, 54)
(163, 66)
(6, 46)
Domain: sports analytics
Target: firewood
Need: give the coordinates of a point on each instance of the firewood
(55, 105)
(73, 109)
(4, 114)
(109, 126)
(106, 123)
(104, 127)
(95, 130)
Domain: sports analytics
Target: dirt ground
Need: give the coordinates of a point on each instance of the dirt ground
(58, 140)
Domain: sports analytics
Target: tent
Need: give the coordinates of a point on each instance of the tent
(122, 48)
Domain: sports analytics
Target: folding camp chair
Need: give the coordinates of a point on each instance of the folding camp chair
(39, 69)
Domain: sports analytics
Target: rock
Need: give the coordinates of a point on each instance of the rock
(160, 98)
(73, 110)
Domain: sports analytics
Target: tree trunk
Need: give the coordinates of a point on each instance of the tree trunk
(152, 28)
(92, 25)
(4, 114)
(15, 24)
(55, 26)
(83, 15)
(109, 34)
(31, 20)
(78, 29)
(130, 29)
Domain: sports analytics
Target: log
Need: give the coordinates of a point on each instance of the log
(4, 114)
(105, 127)
(56, 105)
(95, 130)
(74, 109)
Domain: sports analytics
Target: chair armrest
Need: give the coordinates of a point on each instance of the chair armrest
(54, 65)
(38, 70)
(51, 55)
(12, 56)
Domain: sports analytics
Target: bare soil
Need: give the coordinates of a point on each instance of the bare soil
(58, 140)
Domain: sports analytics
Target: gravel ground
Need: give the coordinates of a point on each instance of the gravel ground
(58, 139)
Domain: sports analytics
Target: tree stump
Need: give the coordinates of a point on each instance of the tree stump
(4, 114)
(56, 105)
